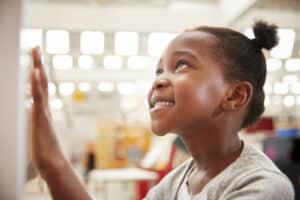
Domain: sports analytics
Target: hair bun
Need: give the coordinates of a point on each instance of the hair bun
(265, 35)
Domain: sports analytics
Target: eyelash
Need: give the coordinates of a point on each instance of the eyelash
(158, 71)
(181, 63)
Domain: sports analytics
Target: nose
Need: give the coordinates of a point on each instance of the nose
(160, 82)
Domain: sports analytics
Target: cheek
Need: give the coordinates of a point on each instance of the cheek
(201, 96)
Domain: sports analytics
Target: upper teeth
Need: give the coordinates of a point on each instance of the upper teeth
(164, 103)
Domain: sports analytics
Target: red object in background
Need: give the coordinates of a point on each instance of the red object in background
(263, 124)
(142, 187)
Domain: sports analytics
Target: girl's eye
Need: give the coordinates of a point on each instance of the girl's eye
(181, 64)
(158, 71)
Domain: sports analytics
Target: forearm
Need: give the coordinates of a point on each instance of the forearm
(63, 183)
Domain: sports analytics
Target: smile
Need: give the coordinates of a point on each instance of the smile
(160, 105)
(159, 102)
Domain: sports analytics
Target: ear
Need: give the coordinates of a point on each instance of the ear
(237, 96)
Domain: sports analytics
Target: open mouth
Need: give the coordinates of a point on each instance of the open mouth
(159, 102)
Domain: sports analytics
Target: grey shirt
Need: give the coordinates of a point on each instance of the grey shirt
(252, 176)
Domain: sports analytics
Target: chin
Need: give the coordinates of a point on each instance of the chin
(159, 131)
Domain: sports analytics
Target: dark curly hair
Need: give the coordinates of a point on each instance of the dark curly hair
(243, 59)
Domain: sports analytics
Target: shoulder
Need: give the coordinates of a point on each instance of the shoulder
(168, 185)
(262, 184)
(256, 176)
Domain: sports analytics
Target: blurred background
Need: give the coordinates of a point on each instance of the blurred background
(100, 57)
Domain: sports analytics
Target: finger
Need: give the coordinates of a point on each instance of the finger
(36, 89)
(44, 88)
(37, 63)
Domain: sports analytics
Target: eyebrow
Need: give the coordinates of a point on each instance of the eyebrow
(186, 53)
(179, 53)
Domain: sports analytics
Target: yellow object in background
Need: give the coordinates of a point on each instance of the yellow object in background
(121, 145)
(79, 96)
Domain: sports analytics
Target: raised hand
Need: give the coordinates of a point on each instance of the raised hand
(46, 155)
(45, 149)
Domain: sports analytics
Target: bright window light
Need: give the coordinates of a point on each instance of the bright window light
(249, 33)
(126, 43)
(292, 64)
(126, 88)
(62, 62)
(281, 88)
(157, 42)
(25, 60)
(276, 100)
(284, 48)
(290, 79)
(112, 62)
(86, 62)
(56, 104)
(143, 87)
(267, 100)
(106, 87)
(141, 62)
(298, 100)
(51, 88)
(57, 42)
(268, 88)
(273, 64)
(92, 42)
(295, 88)
(128, 103)
(31, 38)
(66, 88)
(289, 101)
(84, 87)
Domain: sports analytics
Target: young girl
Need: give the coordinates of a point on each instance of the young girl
(208, 86)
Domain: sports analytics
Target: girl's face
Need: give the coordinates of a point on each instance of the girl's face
(189, 86)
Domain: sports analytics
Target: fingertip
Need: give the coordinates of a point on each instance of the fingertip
(36, 57)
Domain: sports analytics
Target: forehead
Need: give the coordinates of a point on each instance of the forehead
(198, 42)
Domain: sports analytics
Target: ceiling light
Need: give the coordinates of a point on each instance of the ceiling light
(290, 79)
(295, 88)
(84, 87)
(273, 64)
(292, 64)
(92, 42)
(86, 62)
(57, 42)
(105, 87)
(281, 88)
(66, 88)
(289, 101)
(56, 103)
(31, 38)
(284, 48)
